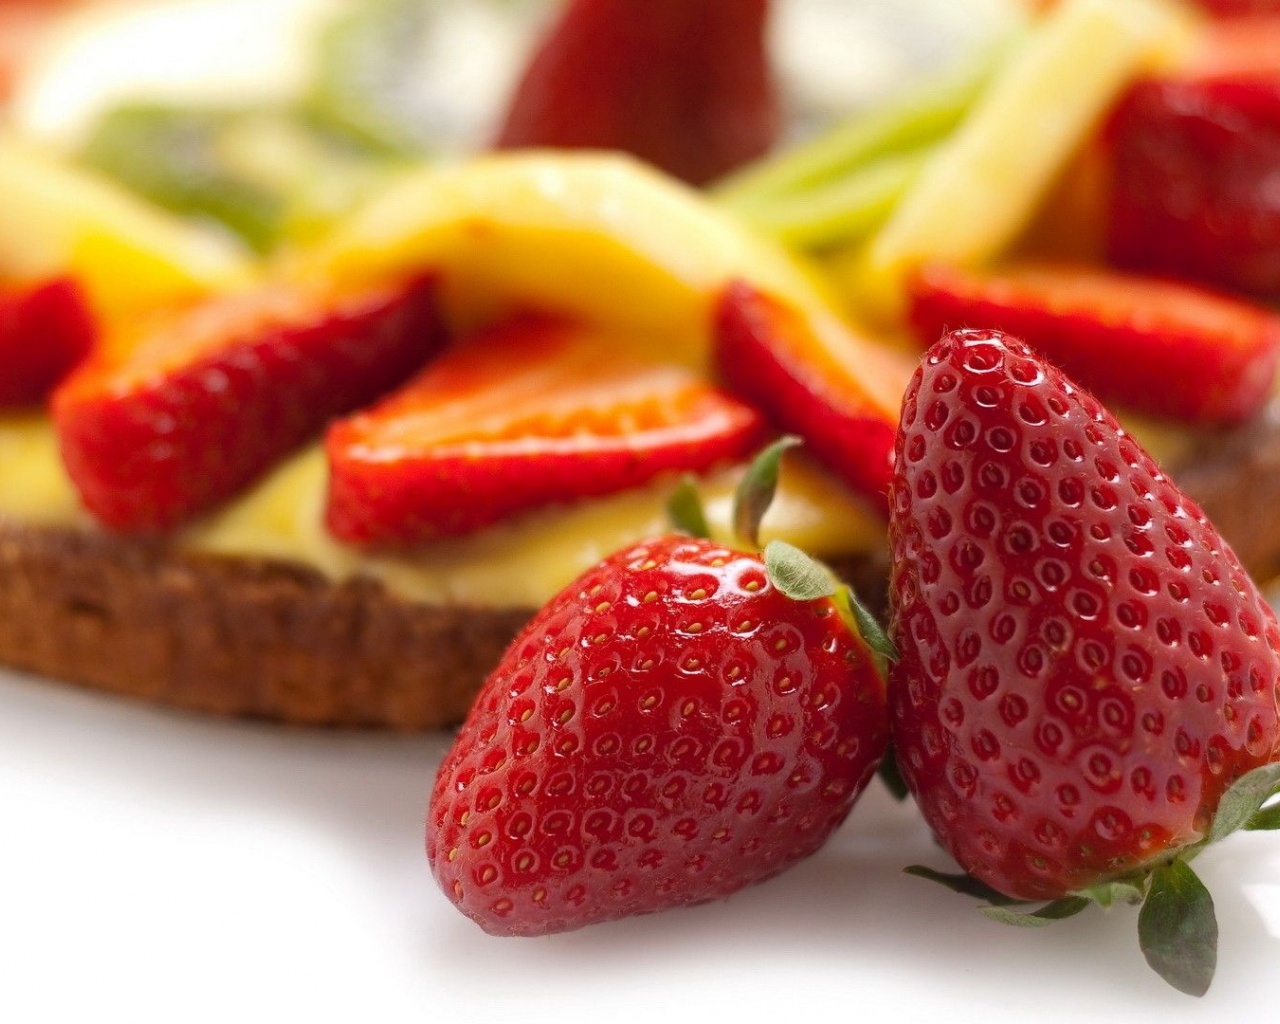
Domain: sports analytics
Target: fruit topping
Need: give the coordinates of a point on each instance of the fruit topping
(168, 421)
(528, 413)
(1087, 690)
(45, 330)
(814, 376)
(672, 727)
(683, 84)
(1192, 190)
(1153, 345)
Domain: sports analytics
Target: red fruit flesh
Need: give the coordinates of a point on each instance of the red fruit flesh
(683, 84)
(1194, 165)
(45, 330)
(1239, 8)
(1153, 345)
(1085, 665)
(161, 428)
(669, 729)
(530, 413)
(817, 380)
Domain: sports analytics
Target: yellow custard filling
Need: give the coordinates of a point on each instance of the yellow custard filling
(519, 564)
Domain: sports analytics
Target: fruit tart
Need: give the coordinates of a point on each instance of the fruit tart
(321, 463)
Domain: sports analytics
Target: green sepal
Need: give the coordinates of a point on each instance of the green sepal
(858, 617)
(1266, 820)
(1107, 894)
(756, 491)
(1068, 906)
(685, 510)
(798, 575)
(1241, 803)
(1178, 930)
(892, 778)
(963, 884)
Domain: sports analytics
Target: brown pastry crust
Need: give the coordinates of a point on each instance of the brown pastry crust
(256, 638)
(241, 637)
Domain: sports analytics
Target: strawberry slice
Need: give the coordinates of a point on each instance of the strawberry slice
(527, 413)
(45, 330)
(683, 84)
(816, 378)
(1154, 345)
(1194, 158)
(161, 427)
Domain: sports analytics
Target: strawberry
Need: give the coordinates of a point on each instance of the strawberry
(528, 413)
(814, 378)
(683, 84)
(1194, 158)
(681, 721)
(1088, 683)
(1153, 345)
(159, 428)
(45, 330)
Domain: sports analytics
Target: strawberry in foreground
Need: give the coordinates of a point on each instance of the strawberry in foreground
(1087, 690)
(45, 330)
(1156, 346)
(670, 728)
(159, 428)
(816, 379)
(683, 84)
(528, 413)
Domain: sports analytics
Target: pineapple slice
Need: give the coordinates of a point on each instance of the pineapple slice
(598, 237)
(57, 219)
(983, 186)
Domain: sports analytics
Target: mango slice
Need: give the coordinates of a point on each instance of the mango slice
(55, 218)
(599, 237)
(985, 183)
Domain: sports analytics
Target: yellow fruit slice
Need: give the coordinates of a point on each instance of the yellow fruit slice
(982, 188)
(594, 236)
(55, 218)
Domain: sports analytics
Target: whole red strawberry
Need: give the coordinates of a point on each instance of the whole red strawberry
(1086, 670)
(669, 729)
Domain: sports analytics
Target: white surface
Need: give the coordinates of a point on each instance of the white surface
(160, 867)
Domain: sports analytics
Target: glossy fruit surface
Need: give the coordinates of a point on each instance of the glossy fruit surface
(1152, 345)
(815, 378)
(669, 729)
(528, 413)
(1085, 666)
(683, 84)
(166, 422)
(45, 330)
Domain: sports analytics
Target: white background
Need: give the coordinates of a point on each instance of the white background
(160, 867)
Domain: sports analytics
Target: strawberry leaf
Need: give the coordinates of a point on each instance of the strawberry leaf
(684, 509)
(801, 577)
(1068, 906)
(1266, 820)
(892, 777)
(1178, 930)
(964, 884)
(756, 491)
(1110, 893)
(1241, 803)
(856, 615)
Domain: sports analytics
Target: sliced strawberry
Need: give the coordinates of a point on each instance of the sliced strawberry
(816, 379)
(1154, 345)
(528, 413)
(683, 84)
(45, 330)
(162, 427)
(1194, 159)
